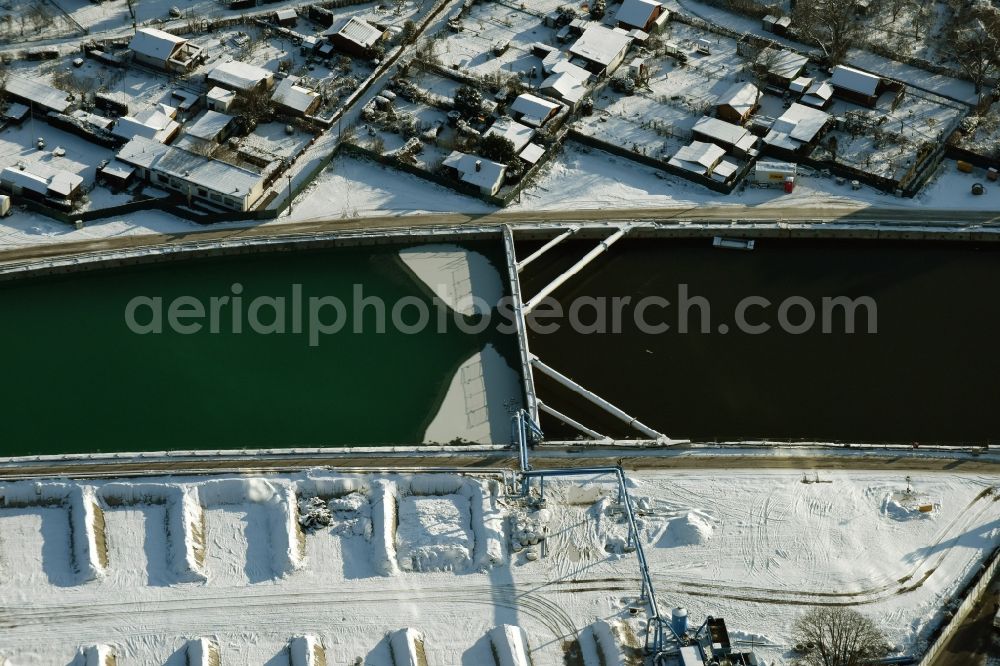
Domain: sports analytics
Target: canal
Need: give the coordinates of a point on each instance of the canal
(76, 378)
(929, 374)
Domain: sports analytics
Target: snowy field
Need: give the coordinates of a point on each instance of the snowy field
(148, 569)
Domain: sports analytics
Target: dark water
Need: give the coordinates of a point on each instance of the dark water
(75, 379)
(930, 373)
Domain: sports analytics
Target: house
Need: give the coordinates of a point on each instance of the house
(533, 110)
(515, 132)
(286, 18)
(355, 36)
(798, 128)
(737, 139)
(163, 50)
(197, 177)
(856, 86)
(291, 98)
(738, 103)
(39, 97)
(564, 87)
(704, 159)
(486, 175)
(157, 124)
(641, 14)
(219, 99)
(39, 181)
(602, 49)
(240, 77)
(211, 127)
(818, 94)
(784, 66)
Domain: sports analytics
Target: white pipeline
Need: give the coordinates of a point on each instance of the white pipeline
(593, 434)
(597, 400)
(545, 248)
(601, 248)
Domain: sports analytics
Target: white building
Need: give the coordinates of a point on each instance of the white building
(602, 48)
(797, 128)
(219, 99)
(156, 123)
(533, 110)
(818, 94)
(42, 181)
(484, 174)
(292, 98)
(194, 176)
(163, 50)
(210, 127)
(240, 77)
(704, 159)
(565, 87)
(738, 102)
(738, 139)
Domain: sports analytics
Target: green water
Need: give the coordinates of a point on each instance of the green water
(76, 379)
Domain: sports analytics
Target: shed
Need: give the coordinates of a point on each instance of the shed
(212, 126)
(740, 140)
(355, 36)
(640, 14)
(116, 174)
(36, 94)
(565, 87)
(515, 132)
(286, 17)
(698, 157)
(798, 128)
(160, 49)
(818, 95)
(738, 102)
(856, 85)
(295, 99)
(785, 66)
(532, 153)
(219, 99)
(240, 77)
(533, 110)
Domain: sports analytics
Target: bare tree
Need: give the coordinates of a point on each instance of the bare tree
(975, 43)
(837, 636)
(832, 24)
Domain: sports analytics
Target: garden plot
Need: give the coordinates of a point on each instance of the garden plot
(486, 25)
(404, 121)
(885, 141)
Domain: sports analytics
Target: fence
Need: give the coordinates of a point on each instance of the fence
(974, 593)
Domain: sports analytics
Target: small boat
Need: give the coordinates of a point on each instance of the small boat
(732, 243)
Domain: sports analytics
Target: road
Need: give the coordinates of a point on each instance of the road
(891, 217)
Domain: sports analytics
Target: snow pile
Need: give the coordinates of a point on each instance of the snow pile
(385, 496)
(407, 646)
(98, 655)
(306, 651)
(692, 529)
(510, 646)
(86, 519)
(904, 506)
(487, 524)
(608, 650)
(433, 533)
(202, 652)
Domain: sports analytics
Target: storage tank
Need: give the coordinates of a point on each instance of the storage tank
(679, 621)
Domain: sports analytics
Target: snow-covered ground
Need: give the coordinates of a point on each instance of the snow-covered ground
(221, 558)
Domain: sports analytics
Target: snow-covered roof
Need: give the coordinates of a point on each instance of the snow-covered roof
(532, 153)
(514, 131)
(799, 124)
(567, 67)
(37, 92)
(286, 14)
(489, 175)
(787, 64)
(601, 45)
(698, 156)
(742, 97)
(725, 133)
(357, 30)
(533, 109)
(636, 13)
(190, 167)
(724, 170)
(210, 125)
(148, 123)
(818, 94)
(154, 43)
(565, 86)
(288, 93)
(117, 169)
(220, 94)
(239, 75)
(855, 80)
(42, 179)
(16, 111)
(800, 84)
